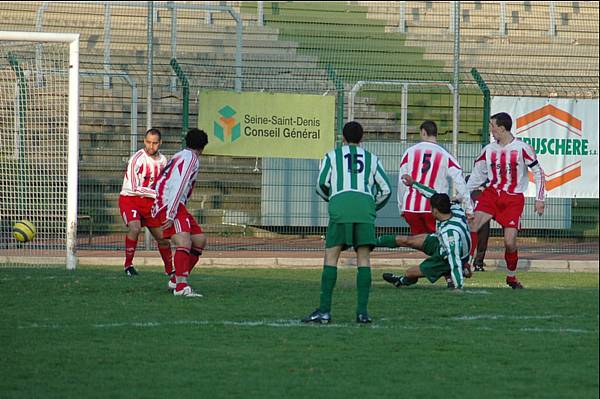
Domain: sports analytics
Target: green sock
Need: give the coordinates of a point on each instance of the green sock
(387, 240)
(363, 286)
(328, 278)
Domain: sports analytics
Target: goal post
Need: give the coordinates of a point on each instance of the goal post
(39, 150)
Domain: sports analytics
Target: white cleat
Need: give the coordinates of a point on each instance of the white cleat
(188, 292)
(171, 285)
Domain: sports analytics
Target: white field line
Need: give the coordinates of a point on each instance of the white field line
(297, 323)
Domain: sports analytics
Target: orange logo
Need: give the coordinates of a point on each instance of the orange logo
(555, 133)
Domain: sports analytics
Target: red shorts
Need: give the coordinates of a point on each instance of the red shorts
(420, 222)
(137, 208)
(184, 222)
(505, 208)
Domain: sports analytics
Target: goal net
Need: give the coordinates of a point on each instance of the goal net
(39, 107)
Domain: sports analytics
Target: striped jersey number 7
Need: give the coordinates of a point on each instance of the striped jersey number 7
(355, 163)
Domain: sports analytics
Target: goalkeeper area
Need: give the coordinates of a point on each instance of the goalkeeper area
(96, 334)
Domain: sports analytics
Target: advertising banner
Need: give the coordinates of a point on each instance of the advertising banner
(564, 135)
(267, 124)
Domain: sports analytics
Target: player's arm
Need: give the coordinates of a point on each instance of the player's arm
(425, 191)
(401, 187)
(538, 177)
(324, 182)
(463, 194)
(478, 174)
(452, 244)
(382, 187)
(181, 180)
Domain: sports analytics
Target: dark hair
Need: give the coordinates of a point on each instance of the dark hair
(503, 119)
(353, 132)
(153, 131)
(196, 139)
(441, 202)
(430, 127)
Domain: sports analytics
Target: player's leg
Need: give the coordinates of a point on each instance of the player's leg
(509, 218)
(164, 248)
(479, 219)
(393, 241)
(511, 256)
(429, 244)
(198, 245)
(364, 242)
(131, 217)
(483, 236)
(181, 237)
(335, 241)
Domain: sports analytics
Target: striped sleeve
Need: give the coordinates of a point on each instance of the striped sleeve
(186, 171)
(479, 173)
(537, 171)
(324, 183)
(381, 187)
(452, 244)
(425, 191)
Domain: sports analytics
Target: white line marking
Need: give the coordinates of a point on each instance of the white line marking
(297, 323)
(505, 317)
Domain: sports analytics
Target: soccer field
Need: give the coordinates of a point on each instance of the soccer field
(96, 333)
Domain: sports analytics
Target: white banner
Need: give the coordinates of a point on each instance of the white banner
(564, 135)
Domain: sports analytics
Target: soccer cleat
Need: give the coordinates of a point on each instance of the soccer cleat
(187, 292)
(514, 284)
(130, 271)
(172, 284)
(450, 284)
(467, 271)
(478, 267)
(393, 279)
(363, 318)
(318, 317)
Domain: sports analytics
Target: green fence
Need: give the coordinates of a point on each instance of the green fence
(313, 48)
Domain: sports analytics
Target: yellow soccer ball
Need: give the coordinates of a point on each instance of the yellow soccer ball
(24, 231)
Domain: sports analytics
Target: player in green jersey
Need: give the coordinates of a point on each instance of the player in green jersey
(355, 184)
(448, 248)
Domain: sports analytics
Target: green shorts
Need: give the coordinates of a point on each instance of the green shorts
(350, 235)
(435, 266)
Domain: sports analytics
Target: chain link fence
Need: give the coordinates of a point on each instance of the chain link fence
(547, 49)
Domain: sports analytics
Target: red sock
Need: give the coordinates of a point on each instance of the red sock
(166, 255)
(195, 254)
(511, 259)
(473, 243)
(130, 246)
(182, 262)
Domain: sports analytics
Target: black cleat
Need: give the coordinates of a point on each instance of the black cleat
(478, 267)
(515, 285)
(450, 284)
(318, 317)
(363, 318)
(393, 279)
(130, 271)
(467, 271)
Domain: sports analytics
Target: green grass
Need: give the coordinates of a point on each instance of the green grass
(95, 333)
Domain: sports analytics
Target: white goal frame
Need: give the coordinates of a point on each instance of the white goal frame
(73, 121)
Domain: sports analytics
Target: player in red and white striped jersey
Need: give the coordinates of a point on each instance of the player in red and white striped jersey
(505, 164)
(430, 164)
(173, 189)
(137, 196)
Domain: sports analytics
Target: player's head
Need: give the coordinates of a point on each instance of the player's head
(428, 129)
(440, 205)
(152, 141)
(196, 139)
(500, 124)
(353, 132)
